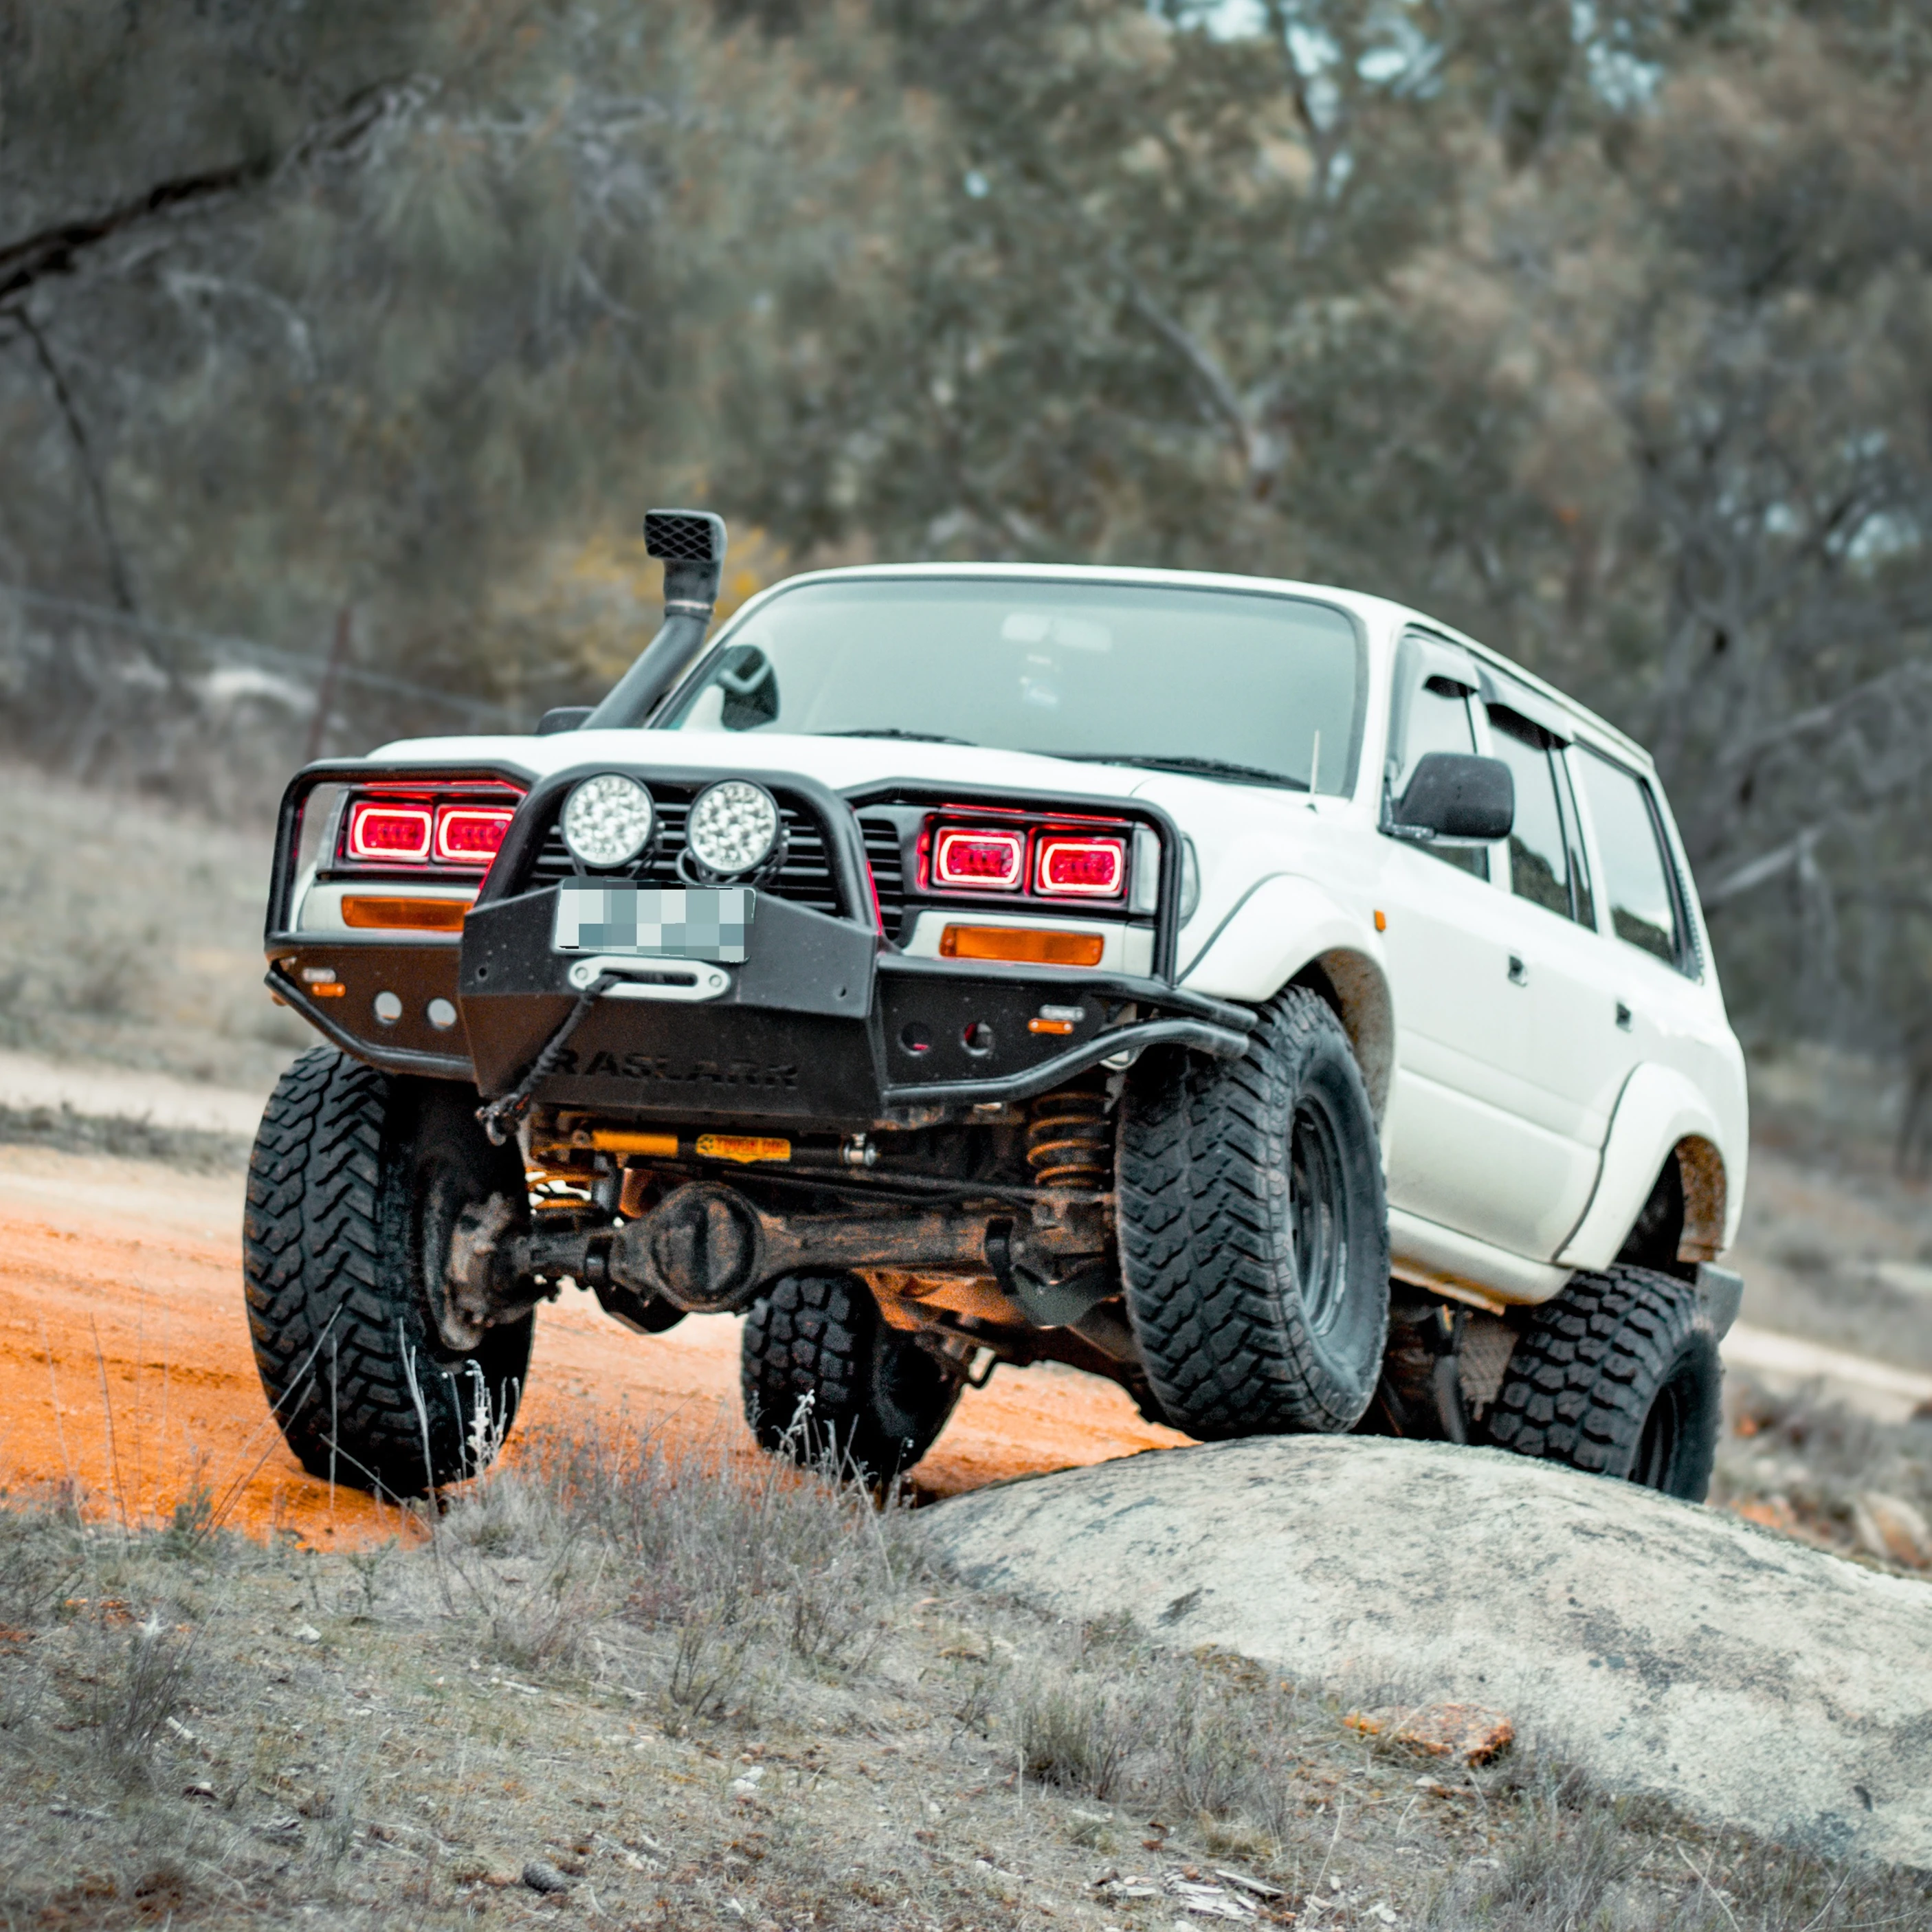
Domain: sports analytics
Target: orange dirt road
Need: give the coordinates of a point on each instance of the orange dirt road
(125, 1371)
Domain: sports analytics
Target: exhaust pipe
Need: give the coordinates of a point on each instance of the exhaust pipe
(690, 545)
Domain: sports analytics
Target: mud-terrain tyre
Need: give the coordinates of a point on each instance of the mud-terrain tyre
(1254, 1230)
(1619, 1376)
(356, 1181)
(878, 1400)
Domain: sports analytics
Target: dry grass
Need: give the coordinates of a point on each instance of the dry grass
(130, 932)
(702, 1693)
(193, 1149)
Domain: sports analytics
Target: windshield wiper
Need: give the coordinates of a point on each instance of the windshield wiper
(893, 731)
(1206, 768)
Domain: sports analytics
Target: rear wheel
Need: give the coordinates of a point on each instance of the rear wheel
(355, 1184)
(1619, 1375)
(1254, 1233)
(823, 1375)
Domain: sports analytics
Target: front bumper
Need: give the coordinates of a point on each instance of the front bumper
(822, 1022)
(814, 1027)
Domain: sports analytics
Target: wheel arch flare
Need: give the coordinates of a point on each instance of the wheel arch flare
(1289, 930)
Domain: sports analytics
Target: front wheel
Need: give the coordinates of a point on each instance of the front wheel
(825, 1376)
(355, 1184)
(1254, 1231)
(1619, 1375)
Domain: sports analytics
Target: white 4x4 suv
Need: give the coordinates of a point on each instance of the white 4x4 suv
(1255, 993)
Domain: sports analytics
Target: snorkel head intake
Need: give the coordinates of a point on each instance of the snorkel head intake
(690, 545)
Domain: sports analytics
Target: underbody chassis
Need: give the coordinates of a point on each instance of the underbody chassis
(702, 1112)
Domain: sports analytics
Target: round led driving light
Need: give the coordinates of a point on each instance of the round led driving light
(607, 820)
(733, 827)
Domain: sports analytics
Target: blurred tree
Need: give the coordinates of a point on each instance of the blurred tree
(1600, 329)
(1601, 332)
(300, 305)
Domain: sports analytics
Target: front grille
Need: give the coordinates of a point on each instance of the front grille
(805, 878)
(884, 854)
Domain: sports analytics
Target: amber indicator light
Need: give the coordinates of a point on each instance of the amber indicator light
(363, 909)
(1049, 1026)
(1026, 945)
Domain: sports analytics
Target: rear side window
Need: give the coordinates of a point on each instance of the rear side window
(1637, 873)
(1541, 870)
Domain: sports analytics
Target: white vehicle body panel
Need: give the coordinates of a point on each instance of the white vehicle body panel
(1532, 1074)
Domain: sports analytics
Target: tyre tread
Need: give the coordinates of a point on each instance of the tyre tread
(1202, 1186)
(1583, 1376)
(318, 1284)
(817, 1336)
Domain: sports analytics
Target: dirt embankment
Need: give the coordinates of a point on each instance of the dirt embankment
(124, 1357)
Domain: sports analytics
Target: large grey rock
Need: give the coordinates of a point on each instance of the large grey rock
(1661, 1647)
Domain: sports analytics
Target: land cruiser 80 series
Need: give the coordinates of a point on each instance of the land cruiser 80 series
(1255, 993)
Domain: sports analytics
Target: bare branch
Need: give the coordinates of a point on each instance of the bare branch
(1794, 852)
(56, 250)
(1259, 456)
(83, 450)
(1817, 717)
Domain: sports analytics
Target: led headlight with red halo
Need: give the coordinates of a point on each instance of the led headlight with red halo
(393, 832)
(735, 828)
(1068, 867)
(978, 860)
(470, 835)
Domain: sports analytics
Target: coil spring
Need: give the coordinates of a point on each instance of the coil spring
(1067, 1137)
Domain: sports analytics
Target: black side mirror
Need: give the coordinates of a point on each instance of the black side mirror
(1455, 795)
(751, 688)
(562, 718)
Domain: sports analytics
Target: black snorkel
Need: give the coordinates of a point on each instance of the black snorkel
(690, 544)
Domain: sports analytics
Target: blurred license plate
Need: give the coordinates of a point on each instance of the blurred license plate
(689, 922)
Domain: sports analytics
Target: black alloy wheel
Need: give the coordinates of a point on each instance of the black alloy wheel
(1317, 1201)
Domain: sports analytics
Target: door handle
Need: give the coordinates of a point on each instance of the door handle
(1518, 973)
(1623, 1016)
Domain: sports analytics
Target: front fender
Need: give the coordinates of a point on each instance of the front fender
(1659, 1112)
(1286, 925)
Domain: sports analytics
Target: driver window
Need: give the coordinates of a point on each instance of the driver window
(1541, 853)
(1437, 719)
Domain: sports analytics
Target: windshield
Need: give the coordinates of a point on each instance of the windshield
(1232, 684)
